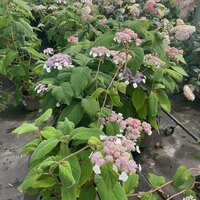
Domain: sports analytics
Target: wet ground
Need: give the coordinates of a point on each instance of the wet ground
(162, 156)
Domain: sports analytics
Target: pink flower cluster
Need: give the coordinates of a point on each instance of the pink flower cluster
(61, 1)
(72, 39)
(119, 58)
(154, 59)
(116, 150)
(52, 8)
(150, 6)
(41, 88)
(48, 51)
(131, 127)
(134, 10)
(189, 198)
(100, 51)
(103, 21)
(172, 52)
(40, 7)
(183, 32)
(126, 36)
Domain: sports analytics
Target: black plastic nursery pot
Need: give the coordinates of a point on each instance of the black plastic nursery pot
(30, 103)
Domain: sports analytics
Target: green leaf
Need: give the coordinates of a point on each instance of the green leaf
(175, 75)
(43, 149)
(115, 99)
(103, 191)
(44, 182)
(88, 192)
(98, 92)
(137, 58)
(65, 174)
(153, 104)
(153, 122)
(122, 87)
(131, 183)
(156, 181)
(25, 128)
(190, 192)
(119, 192)
(31, 146)
(63, 93)
(112, 128)
(68, 193)
(138, 98)
(44, 117)
(180, 58)
(183, 179)
(158, 74)
(149, 196)
(84, 134)
(180, 70)
(17, 96)
(109, 176)
(76, 169)
(33, 53)
(86, 171)
(65, 126)
(90, 106)
(143, 111)
(50, 131)
(31, 177)
(10, 57)
(47, 163)
(80, 78)
(164, 100)
(105, 40)
(74, 112)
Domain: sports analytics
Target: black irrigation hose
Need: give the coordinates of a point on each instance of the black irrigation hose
(179, 124)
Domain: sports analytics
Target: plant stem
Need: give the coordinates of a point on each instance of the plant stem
(106, 95)
(176, 194)
(150, 191)
(73, 154)
(98, 68)
(69, 156)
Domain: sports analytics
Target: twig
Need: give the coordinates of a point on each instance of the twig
(176, 194)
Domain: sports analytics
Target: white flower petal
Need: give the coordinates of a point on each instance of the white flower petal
(123, 177)
(96, 169)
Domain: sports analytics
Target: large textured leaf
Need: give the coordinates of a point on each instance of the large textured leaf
(164, 100)
(25, 128)
(73, 112)
(153, 104)
(65, 126)
(44, 117)
(86, 171)
(109, 176)
(156, 181)
(44, 148)
(68, 194)
(84, 134)
(65, 174)
(90, 106)
(88, 192)
(44, 182)
(183, 179)
(138, 98)
(131, 183)
(10, 57)
(80, 78)
(63, 93)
